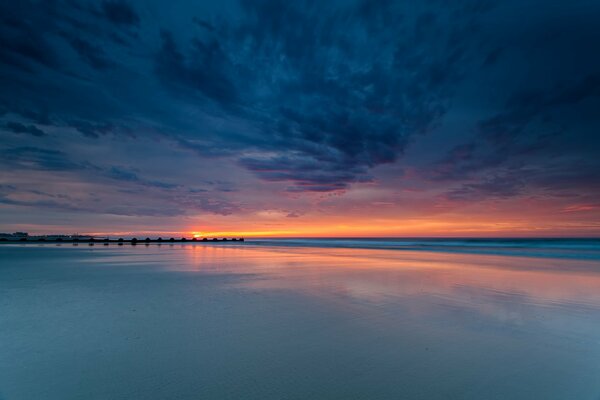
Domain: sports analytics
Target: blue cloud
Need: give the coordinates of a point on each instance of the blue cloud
(310, 96)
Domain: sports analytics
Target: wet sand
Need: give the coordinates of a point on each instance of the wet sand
(190, 321)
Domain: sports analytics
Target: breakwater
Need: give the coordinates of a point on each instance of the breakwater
(121, 241)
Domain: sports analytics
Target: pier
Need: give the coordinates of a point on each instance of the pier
(119, 241)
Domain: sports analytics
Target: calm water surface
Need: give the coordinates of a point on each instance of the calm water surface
(296, 322)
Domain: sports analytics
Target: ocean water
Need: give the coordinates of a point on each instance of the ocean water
(301, 319)
(533, 247)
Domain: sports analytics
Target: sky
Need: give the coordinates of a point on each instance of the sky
(300, 118)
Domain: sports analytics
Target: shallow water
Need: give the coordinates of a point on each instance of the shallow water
(577, 248)
(196, 321)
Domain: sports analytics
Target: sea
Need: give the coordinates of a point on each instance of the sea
(577, 248)
(302, 319)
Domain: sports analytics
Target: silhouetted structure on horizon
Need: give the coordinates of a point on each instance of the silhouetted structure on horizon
(23, 237)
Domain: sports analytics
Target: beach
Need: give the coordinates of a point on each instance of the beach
(290, 320)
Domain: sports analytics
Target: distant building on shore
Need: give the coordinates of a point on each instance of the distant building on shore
(66, 237)
(25, 235)
(15, 235)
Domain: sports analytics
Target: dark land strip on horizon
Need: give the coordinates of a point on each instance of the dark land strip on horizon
(120, 241)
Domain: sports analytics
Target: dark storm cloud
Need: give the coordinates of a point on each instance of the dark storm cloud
(499, 186)
(29, 157)
(127, 175)
(35, 158)
(22, 36)
(160, 198)
(525, 107)
(31, 31)
(537, 130)
(555, 180)
(341, 87)
(546, 127)
(90, 53)
(210, 72)
(120, 12)
(307, 174)
(329, 87)
(17, 127)
(41, 199)
(90, 129)
(313, 95)
(42, 45)
(90, 205)
(333, 86)
(493, 57)
(204, 24)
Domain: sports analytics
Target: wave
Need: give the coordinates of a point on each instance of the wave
(532, 247)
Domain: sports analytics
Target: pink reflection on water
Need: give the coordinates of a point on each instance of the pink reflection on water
(510, 290)
(378, 275)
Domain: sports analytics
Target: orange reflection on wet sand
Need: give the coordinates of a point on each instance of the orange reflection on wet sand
(373, 273)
